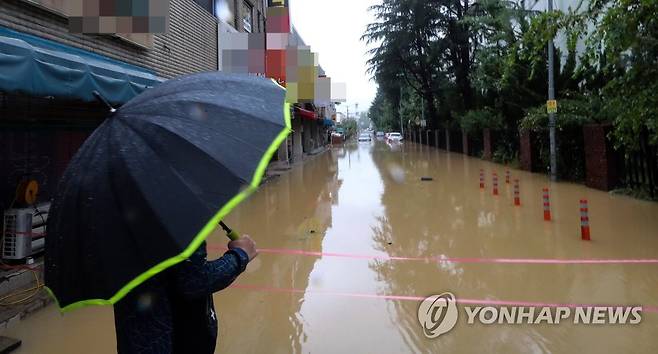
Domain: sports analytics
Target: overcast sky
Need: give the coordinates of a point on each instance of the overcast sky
(333, 29)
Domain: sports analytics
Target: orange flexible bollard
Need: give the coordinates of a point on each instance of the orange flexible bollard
(584, 220)
(507, 176)
(547, 206)
(481, 179)
(495, 183)
(517, 199)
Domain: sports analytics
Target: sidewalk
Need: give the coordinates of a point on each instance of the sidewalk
(277, 168)
(19, 281)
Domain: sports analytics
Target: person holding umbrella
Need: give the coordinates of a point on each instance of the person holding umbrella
(174, 311)
(129, 221)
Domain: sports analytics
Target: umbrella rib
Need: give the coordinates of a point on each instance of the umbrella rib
(135, 115)
(113, 187)
(150, 103)
(157, 153)
(186, 141)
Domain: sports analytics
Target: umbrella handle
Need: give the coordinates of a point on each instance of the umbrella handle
(232, 234)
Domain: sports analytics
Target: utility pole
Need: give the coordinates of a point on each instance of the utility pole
(400, 114)
(551, 97)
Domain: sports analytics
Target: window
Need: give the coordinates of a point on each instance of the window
(206, 4)
(247, 16)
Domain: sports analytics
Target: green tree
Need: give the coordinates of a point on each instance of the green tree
(624, 46)
(425, 46)
(350, 126)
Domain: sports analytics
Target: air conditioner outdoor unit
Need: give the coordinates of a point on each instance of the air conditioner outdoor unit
(19, 239)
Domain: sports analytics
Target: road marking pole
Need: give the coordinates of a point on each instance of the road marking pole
(547, 206)
(481, 178)
(584, 220)
(517, 199)
(495, 183)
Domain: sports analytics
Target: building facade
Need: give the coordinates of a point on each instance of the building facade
(189, 46)
(42, 126)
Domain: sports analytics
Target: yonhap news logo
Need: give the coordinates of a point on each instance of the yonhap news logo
(438, 314)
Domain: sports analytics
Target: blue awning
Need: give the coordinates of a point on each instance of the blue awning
(328, 122)
(39, 67)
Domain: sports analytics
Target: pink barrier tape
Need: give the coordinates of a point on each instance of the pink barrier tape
(446, 259)
(653, 309)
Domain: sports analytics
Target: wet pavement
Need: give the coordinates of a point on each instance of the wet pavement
(350, 242)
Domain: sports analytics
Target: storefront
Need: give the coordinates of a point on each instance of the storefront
(47, 106)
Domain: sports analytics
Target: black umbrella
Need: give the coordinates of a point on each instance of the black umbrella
(152, 182)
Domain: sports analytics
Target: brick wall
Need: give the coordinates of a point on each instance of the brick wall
(486, 142)
(601, 167)
(525, 155)
(189, 46)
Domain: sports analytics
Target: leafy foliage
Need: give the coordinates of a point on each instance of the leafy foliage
(350, 126)
(483, 64)
(572, 112)
(476, 120)
(625, 45)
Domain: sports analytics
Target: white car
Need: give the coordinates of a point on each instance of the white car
(365, 137)
(380, 134)
(394, 137)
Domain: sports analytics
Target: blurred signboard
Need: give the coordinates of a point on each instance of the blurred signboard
(63, 8)
(551, 106)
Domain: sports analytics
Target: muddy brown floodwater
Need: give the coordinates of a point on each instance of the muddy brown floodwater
(323, 282)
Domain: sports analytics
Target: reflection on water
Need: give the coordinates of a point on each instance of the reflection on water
(367, 199)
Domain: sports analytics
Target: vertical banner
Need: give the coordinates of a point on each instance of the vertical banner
(277, 34)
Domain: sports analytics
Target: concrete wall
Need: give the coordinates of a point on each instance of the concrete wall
(189, 46)
(307, 135)
(297, 149)
(282, 153)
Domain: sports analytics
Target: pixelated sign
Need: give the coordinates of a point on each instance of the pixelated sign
(280, 54)
(551, 106)
(117, 16)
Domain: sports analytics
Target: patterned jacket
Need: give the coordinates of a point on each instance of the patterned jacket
(173, 312)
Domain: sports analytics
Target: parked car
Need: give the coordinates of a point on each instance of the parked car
(394, 137)
(364, 137)
(380, 135)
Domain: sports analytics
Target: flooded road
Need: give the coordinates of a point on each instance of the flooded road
(349, 246)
